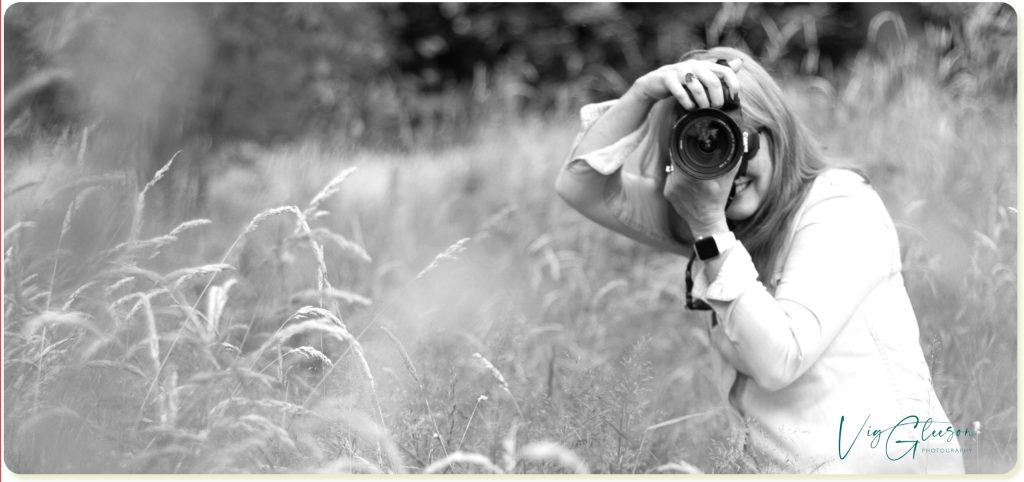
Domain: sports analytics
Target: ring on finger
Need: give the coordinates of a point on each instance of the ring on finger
(689, 78)
(669, 169)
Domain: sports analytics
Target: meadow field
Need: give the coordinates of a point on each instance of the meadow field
(442, 310)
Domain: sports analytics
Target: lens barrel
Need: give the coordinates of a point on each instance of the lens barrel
(706, 143)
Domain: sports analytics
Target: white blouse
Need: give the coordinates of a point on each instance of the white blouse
(834, 345)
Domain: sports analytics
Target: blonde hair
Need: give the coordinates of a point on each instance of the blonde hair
(796, 160)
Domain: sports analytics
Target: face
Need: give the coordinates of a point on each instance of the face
(752, 187)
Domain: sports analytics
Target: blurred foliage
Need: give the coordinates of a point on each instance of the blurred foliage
(136, 83)
(377, 72)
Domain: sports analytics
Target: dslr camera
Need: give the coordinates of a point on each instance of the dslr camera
(707, 143)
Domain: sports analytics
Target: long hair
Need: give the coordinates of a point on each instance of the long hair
(796, 160)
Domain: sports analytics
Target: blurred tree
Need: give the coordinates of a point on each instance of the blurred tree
(283, 69)
(148, 80)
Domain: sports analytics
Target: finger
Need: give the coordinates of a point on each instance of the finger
(696, 89)
(713, 85)
(667, 188)
(735, 64)
(729, 78)
(676, 88)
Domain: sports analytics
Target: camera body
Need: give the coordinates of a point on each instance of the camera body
(707, 143)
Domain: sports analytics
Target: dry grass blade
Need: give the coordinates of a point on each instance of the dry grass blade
(238, 405)
(307, 355)
(406, 359)
(53, 318)
(493, 371)
(74, 206)
(215, 303)
(21, 187)
(65, 227)
(449, 253)
(152, 335)
(115, 365)
(469, 458)
(508, 446)
(304, 232)
(183, 275)
(325, 235)
(680, 419)
(120, 302)
(74, 295)
(312, 296)
(18, 227)
(187, 225)
(260, 217)
(329, 190)
(313, 312)
(498, 221)
(498, 377)
(547, 451)
(365, 366)
(339, 333)
(140, 203)
(134, 245)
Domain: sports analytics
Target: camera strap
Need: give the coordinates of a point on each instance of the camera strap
(748, 140)
(695, 304)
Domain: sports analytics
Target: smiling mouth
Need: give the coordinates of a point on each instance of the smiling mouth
(741, 185)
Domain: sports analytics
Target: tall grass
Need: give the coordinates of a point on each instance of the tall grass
(442, 311)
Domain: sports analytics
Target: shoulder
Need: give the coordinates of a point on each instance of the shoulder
(848, 211)
(843, 189)
(845, 201)
(837, 183)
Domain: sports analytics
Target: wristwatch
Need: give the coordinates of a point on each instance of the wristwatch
(708, 247)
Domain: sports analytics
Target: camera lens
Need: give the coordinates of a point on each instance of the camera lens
(705, 144)
(705, 137)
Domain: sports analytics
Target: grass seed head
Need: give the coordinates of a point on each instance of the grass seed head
(548, 451)
(448, 254)
(493, 371)
(329, 190)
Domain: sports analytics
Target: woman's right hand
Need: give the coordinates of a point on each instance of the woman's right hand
(703, 78)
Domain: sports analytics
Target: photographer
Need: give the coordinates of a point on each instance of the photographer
(798, 262)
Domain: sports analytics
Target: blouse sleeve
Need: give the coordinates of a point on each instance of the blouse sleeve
(608, 159)
(633, 200)
(844, 246)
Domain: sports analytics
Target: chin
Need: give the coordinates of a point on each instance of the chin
(740, 210)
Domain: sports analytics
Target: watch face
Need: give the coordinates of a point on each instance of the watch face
(706, 248)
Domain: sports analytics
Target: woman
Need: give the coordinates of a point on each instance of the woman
(801, 268)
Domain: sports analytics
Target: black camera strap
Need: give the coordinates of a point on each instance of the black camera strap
(691, 303)
(732, 190)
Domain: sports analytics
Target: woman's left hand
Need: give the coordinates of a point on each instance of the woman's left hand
(700, 203)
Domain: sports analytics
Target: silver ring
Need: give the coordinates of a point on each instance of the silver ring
(669, 169)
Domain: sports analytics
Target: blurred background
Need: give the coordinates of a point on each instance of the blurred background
(156, 305)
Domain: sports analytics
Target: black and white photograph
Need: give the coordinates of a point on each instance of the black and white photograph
(509, 238)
